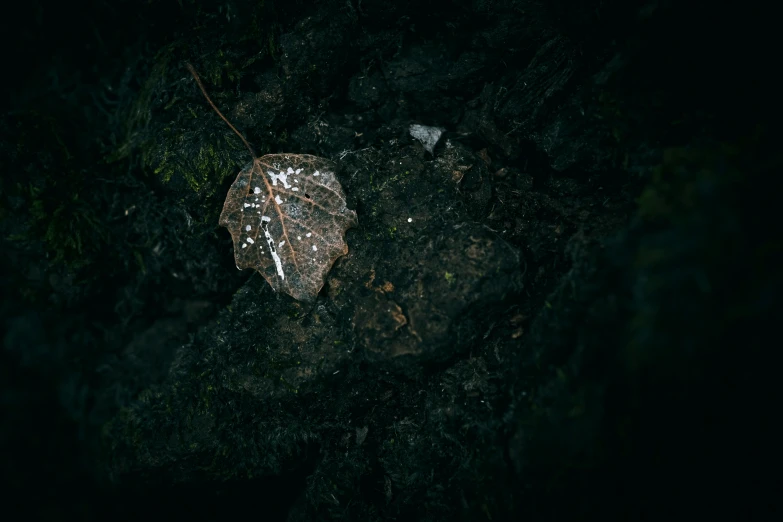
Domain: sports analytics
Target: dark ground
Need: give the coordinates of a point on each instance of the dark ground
(579, 321)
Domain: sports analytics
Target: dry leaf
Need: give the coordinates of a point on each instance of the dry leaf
(287, 215)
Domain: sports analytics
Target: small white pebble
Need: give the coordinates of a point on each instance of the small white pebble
(299, 238)
(244, 245)
(410, 220)
(278, 200)
(280, 244)
(250, 240)
(247, 205)
(295, 189)
(316, 173)
(248, 228)
(257, 190)
(309, 234)
(315, 248)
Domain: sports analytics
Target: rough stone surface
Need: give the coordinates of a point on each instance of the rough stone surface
(557, 313)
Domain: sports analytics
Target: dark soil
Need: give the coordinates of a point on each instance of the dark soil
(560, 313)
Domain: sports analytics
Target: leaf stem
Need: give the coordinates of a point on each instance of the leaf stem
(214, 107)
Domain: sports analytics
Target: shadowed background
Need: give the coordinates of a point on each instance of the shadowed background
(595, 246)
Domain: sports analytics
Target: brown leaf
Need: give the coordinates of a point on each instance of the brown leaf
(287, 215)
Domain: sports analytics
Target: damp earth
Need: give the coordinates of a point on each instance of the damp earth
(552, 302)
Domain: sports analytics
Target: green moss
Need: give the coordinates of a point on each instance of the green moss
(389, 181)
(71, 232)
(191, 148)
(54, 211)
(205, 398)
(288, 385)
(201, 165)
(140, 261)
(138, 118)
(218, 67)
(272, 45)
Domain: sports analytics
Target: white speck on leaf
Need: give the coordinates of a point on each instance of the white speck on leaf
(275, 257)
(282, 177)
